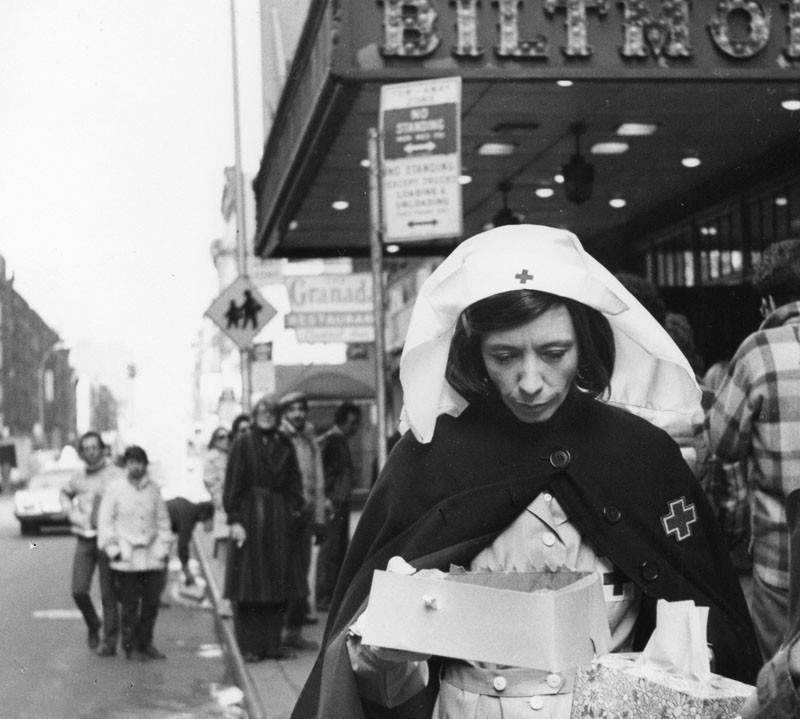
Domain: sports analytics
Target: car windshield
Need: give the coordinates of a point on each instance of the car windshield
(50, 480)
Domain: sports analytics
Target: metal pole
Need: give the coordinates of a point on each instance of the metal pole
(376, 256)
(241, 221)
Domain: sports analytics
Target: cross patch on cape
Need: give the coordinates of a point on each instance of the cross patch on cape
(679, 519)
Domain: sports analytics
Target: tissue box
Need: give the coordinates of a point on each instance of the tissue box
(615, 687)
(542, 620)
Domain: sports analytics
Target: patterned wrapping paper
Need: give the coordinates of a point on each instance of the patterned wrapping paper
(613, 686)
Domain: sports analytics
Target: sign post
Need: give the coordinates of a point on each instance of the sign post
(420, 128)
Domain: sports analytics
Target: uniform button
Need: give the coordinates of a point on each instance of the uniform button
(649, 571)
(548, 539)
(560, 458)
(537, 703)
(547, 497)
(612, 514)
(554, 681)
(499, 683)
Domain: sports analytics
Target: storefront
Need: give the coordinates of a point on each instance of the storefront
(679, 108)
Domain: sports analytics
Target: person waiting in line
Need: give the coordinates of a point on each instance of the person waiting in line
(263, 497)
(240, 426)
(134, 531)
(214, 462)
(753, 431)
(531, 378)
(81, 496)
(294, 424)
(337, 465)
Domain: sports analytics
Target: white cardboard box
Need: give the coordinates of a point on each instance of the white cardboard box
(543, 620)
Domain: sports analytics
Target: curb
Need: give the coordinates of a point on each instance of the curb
(252, 700)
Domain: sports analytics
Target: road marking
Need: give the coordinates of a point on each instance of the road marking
(57, 614)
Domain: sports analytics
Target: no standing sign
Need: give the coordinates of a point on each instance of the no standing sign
(420, 127)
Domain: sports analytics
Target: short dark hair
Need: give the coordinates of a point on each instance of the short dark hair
(344, 410)
(92, 433)
(136, 454)
(778, 273)
(238, 421)
(216, 434)
(466, 371)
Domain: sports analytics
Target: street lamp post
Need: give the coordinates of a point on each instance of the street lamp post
(40, 379)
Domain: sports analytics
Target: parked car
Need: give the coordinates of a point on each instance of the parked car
(39, 504)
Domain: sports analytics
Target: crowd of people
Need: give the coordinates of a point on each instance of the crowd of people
(272, 491)
(525, 363)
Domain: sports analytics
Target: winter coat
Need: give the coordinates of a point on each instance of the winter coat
(263, 492)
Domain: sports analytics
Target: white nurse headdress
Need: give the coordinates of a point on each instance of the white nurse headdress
(651, 376)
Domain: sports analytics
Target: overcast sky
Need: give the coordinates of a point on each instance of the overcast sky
(116, 124)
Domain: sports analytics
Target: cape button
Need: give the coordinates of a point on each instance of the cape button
(536, 703)
(612, 514)
(560, 458)
(548, 539)
(499, 684)
(554, 681)
(649, 571)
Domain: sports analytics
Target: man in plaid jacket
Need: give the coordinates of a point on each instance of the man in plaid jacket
(753, 427)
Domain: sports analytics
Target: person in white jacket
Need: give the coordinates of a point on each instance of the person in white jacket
(134, 531)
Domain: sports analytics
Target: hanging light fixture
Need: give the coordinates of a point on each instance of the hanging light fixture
(506, 216)
(578, 174)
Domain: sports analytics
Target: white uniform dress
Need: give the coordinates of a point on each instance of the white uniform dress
(540, 537)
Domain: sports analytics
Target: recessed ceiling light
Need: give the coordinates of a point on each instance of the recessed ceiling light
(792, 104)
(464, 179)
(293, 225)
(340, 205)
(781, 201)
(544, 192)
(710, 230)
(564, 83)
(690, 160)
(497, 148)
(636, 129)
(392, 249)
(617, 202)
(609, 148)
(365, 163)
(559, 178)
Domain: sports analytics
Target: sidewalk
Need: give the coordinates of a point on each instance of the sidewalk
(270, 687)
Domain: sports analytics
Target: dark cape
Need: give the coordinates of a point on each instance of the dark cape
(263, 493)
(441, 503)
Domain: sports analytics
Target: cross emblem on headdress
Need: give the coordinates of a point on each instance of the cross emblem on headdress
(679, 519)
(523, 277)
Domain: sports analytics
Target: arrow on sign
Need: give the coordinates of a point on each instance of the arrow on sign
(411, 223)
(410, 148)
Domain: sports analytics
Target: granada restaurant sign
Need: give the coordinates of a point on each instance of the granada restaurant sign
(725, 38)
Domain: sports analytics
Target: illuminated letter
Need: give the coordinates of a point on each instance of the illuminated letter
(793, 51)
(510, 44)
(577, 32)
(758, 28)
(668, 34)
(467, 29)
(409, 28)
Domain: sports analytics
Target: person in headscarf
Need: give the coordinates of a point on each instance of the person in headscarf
(534, 384)
(262, 497)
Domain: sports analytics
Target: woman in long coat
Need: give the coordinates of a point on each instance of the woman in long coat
(262, 499)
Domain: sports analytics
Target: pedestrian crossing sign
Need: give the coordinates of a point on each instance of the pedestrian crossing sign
(241, 312)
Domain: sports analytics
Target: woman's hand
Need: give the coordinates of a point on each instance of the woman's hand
(238, 534)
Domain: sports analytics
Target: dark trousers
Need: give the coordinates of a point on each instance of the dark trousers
(299, 608)
(140, 595)
(258, 626)
(87, 557)
(331, 554)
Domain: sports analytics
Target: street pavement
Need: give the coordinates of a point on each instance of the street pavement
(271, 687)
(48, 672)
